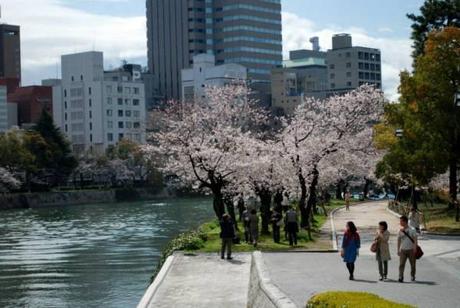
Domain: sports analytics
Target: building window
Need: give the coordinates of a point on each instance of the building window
(129, 125)
(110, 137)
(361, 75)
(120, 113)
(90, 114)
(120, 89)
(65, 93)
(366, 66)
(109, 124)
(136, 90)
(127, 102)
(81, 77)
(65, 104)
(90, 137)
(109, 101)
(90, 126)
(121, 124)
(65, 116)
(109, 112)
(136, 114)
(109, 89)
(66, 128)
(89, 91)
(128, 90)
(136, 102)
(120, 137)
(332, 76)
(349, 84)
(348, 74)
(137, 125)
(348, 64)
(360, 55)
(128, 113)
(120, 102)
(332, 85)
(348, 54)
(332, 66)
(90, 102)
(73, 79)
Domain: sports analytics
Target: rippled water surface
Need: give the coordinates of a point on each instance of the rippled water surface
(91, 255)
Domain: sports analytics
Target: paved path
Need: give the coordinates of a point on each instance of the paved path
(205, 281)
(301, 275)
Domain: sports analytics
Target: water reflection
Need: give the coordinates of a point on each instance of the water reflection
(88, 256)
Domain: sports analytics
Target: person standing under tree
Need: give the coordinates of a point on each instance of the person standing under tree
(245, 218)
(415, 219)
(277, 220)
(227, 235)
(347, 197)
(407, 247)
(254, 227)
(383, 249)
(292, 226)
(350, 247)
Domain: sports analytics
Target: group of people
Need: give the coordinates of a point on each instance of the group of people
(250, 221)
(407, 247)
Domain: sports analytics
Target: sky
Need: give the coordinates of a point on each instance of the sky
(50, 28)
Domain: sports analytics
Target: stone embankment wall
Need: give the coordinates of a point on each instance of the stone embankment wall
(37, 200)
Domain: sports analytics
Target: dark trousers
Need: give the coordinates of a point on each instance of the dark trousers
(292, 238)
(276, 233)
(383, 268)
(246, 235)
(351, 268)
(226, 246)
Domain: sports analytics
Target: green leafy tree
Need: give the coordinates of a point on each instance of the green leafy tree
(428, 116)
(58, 160)
(435, 15)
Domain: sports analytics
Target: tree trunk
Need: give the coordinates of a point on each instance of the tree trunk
(312, 199)
(278, 200)
(265, 196)
(366, 188)
(338, 191)
(228, 200)
(302, 202)
(218, 203)
(452, 182)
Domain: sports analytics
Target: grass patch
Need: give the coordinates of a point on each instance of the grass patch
(351, 300)
(437, 217)
(266, 243)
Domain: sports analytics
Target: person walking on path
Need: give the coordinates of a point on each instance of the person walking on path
(347, 200)
(383, 249)
(415, 219)
(407, 247)
(277, 221)
(292, 226)
(245, 218)
(254, 227)
(350, 247)
(227, 235)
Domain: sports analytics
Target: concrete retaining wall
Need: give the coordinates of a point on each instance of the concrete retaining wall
(262, 292)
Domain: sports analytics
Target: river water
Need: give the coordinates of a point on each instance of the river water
(90, 255)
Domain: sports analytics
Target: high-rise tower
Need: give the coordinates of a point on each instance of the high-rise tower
(246, 32)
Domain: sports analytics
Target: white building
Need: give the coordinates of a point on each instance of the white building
(97, 109)
(205, 73)
(3, 109)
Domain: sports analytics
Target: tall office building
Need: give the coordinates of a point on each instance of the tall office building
(246, 32)
(10, 52)
(97, 108)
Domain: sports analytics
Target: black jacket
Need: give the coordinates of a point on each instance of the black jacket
(227, 229)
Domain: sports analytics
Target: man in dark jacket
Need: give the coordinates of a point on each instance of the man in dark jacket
(227, 235)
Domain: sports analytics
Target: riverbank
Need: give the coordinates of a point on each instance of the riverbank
(77, 197)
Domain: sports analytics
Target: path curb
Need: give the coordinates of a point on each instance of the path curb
(153, 288)
(263, 293)
(333, 231)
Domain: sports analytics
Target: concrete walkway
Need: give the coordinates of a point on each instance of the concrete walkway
(301, 275)
(205, 281)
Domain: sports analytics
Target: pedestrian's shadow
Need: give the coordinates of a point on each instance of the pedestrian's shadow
(428, 283)
(365, 281)
(236, 262)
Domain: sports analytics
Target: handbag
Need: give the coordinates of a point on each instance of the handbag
(419, 252)
(374, 247)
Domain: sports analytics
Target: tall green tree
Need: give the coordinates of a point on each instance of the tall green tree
(434, 15)
(58, 160)
(428, 115)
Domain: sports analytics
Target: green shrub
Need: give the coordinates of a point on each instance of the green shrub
(351, 300)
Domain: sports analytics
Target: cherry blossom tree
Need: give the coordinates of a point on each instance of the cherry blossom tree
(200, 143)
(8, 181)
(318, 129)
